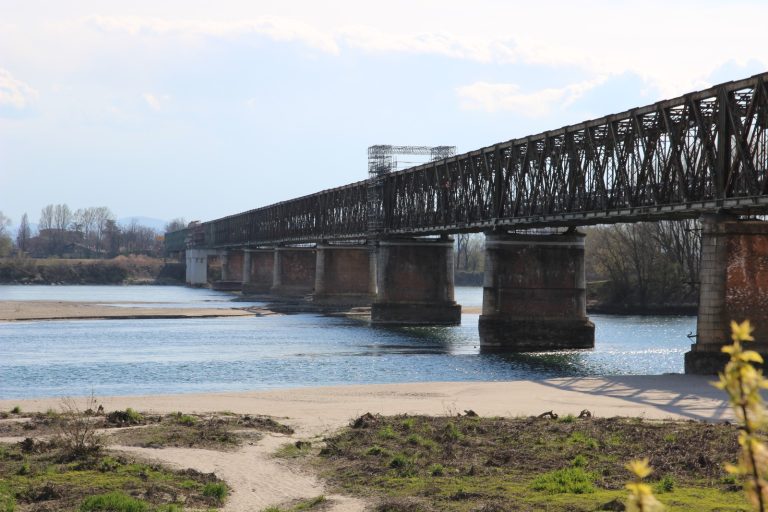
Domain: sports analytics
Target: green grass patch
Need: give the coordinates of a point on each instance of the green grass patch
(565, 481)
(42, 474)
(217, 491)
(462, 464)
(113, 502)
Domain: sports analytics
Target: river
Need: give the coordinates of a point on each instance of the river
(129, 357)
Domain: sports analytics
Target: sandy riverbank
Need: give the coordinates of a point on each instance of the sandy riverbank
(61, 310)
(323, 408)
(259, 480)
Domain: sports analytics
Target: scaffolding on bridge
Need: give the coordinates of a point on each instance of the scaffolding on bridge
(382, 159)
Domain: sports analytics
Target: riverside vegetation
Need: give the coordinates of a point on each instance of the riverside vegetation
(63, 463)
(119, 270)
(468, 463)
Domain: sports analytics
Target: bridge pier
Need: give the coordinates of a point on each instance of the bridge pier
(415, 283)
(534, 293)
(197, 266)
(231, 271)
(733, 286)
(258, 270)
(343, 274)
(294, 271)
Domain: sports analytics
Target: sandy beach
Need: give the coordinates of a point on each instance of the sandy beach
(259, 480)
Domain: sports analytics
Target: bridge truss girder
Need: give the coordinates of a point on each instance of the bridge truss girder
(705, 151)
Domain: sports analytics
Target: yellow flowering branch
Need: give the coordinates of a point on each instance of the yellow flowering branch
(743, 383)
(641, 498)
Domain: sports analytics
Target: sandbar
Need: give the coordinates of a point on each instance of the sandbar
(28, 310)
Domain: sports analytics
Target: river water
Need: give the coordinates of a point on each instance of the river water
(129, 357)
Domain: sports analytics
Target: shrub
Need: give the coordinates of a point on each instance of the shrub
(16, 410)
(436, 470)
(126, 417)
(452, 433)
(666, 484)
(579, 461)
(374, 450)
(113, 502)
(565, 481)
(185, 419)
(216, 491)
(387, 432)
(78, 431)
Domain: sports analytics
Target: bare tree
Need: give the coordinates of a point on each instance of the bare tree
(62, 217)
(46, 218)
(103, 226)
(24, 234)
(138, 239)
(5, 239)
(469, 251)
(85, 222)
(175, 225)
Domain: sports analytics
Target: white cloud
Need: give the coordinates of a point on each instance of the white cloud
(276, 28)
(494, 97)
(154, 101)
(469, 48)
(14, 93)
(595, 37)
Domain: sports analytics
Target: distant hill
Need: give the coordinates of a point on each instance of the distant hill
(156, 224)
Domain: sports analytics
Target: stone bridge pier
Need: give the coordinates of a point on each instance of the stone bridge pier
(415, 283)
(293, 271)
(345, 274)
(258, 270)
(231, 270)
(734, 286)
(534, 293)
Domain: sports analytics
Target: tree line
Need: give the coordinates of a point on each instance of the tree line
(91, 232)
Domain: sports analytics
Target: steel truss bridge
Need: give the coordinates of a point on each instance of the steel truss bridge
(703, 152)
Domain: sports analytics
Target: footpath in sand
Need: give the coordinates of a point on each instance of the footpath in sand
(259, 480)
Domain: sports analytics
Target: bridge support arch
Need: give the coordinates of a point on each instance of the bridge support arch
(534, 293)
(258, 270)
(293, 271)
(343, 274)
(734, 286)
(415, 283)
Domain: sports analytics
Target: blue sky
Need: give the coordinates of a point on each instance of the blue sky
(203, 109)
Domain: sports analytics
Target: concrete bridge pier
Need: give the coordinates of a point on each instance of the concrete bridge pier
(733, 286)
(293, 271)
(197, 266)
(415, 283)
(258, 270)
(534, 293)
(231, 271)
(343, 275)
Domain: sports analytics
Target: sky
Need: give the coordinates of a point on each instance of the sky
(185, 108)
